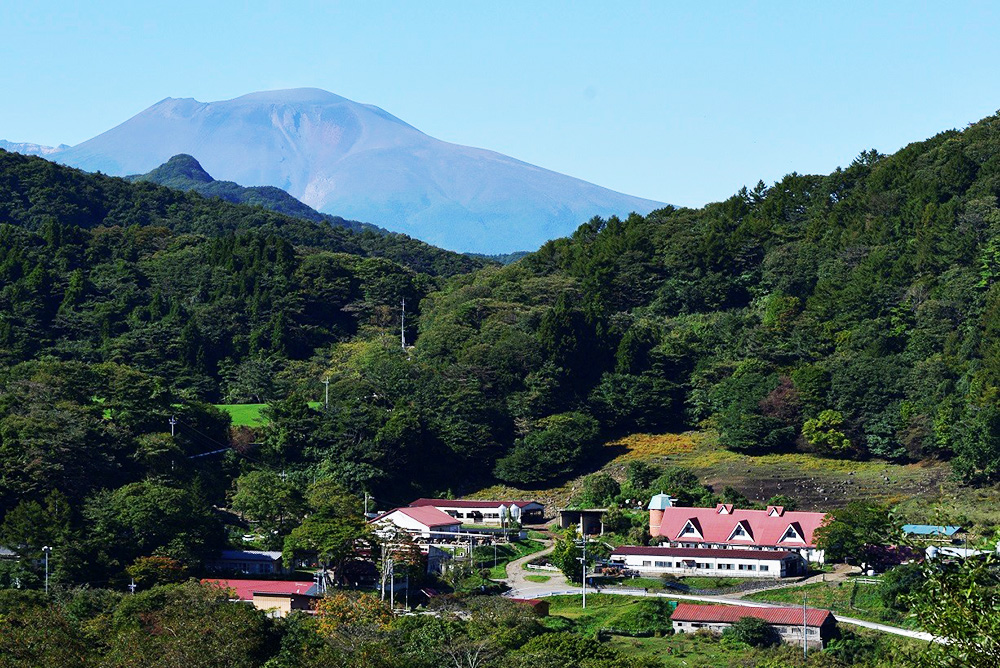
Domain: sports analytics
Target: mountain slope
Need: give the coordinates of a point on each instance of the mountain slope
(360, 162)
(35, 192)
(183, 172)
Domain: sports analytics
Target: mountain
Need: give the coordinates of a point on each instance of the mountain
(183, 172)
(35, 192)
(360, 162)
(26, 148)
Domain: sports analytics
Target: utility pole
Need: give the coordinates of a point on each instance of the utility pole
(132, 586)
(173, 424)
(366, 504)
(583, 562)
(402, 325)
(46, 550)
(392, 586)
(326, 396)
(805, 645)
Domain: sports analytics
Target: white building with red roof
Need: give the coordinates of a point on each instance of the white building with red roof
(711, 562)
(820, 625)
(425, 521)
(277, 598)
(474, 511)
(728, 527)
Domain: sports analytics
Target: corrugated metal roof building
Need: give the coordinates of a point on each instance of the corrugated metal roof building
(820, 625)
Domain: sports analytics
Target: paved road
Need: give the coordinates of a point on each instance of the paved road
(521, 588)
(541, 590)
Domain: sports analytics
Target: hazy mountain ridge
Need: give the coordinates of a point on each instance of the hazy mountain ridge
(360, 162)
(27, 148)
(184, 172)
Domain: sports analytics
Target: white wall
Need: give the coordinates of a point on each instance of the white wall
(648, 564)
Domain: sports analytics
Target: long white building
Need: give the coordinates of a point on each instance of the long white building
(711, 562)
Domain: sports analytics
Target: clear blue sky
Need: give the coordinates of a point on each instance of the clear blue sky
(680, 102)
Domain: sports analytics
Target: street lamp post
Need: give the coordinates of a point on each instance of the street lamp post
(46, 550)
(583, 563)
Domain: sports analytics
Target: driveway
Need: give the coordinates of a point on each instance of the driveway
(553, 588)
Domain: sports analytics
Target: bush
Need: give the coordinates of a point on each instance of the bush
(753, 632)
(600, 489)
(644, 618)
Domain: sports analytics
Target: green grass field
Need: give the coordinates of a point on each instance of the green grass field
(849, 599)
(251, 415)
(505, 553)
(245, 415)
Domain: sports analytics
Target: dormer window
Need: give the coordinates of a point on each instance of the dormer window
(791, 534)
(741, 532)
(689, 529)
(775, 511)
(724, 509)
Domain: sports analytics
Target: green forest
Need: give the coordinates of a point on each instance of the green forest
(855, 315)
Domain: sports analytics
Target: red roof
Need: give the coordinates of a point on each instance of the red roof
(716, 525)
(727, 614)
(468, 503)
(428, 516)
(245, 588)
(701, 553)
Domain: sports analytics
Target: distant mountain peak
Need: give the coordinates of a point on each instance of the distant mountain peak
(357, 161)
(179, 170)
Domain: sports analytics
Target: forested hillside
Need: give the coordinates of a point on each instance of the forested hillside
(855, 314)
(34, 192)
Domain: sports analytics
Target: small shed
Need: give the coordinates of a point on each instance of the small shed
(588, 521)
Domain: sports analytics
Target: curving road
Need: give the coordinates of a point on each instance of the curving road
(558, 585)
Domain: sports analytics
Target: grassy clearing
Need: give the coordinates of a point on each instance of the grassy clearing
(251, 415)
(850, 599)
(603, 610)
(505, 553)
(683, 649)
(245, 415)
(537, 578)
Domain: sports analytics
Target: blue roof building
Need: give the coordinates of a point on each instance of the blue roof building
(930, 530)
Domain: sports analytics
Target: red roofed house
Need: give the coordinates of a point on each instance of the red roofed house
(425, 521)
(276, 597)
(728, 527)
(820, 625)
(471, 511)
(709, 562)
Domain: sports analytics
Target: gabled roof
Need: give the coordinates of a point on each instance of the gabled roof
(428, 516)
(245, 588)
(469, 503)
(746, 528)
(693, 523)
(727, 614)
(766, 529)
(700, 553)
